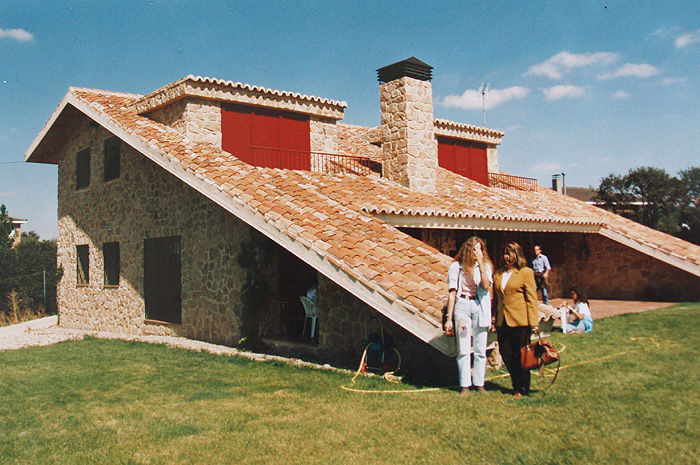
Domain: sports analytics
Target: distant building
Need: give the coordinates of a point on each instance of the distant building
(16, 233)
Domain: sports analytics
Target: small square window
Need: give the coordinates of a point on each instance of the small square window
(82, 169)
(82, 264)
(110, 252)
(112, 150)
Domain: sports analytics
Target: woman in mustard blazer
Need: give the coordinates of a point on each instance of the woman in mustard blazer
(514, 286)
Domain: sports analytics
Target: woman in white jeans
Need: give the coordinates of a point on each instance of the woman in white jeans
(469, 279)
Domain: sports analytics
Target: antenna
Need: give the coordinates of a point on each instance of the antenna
(484, 88)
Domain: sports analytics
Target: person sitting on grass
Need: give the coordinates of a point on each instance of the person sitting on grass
(581, 321)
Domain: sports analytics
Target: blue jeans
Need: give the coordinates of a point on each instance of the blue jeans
(585, 325)
(467, 327)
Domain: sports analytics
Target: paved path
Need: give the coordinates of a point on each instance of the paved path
(43, 333)
(603, 308)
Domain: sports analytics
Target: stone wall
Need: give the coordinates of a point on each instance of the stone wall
(409, 145)
(198, 119)
(147, 202)
(342, 337)
(609, 270)
(604, 268)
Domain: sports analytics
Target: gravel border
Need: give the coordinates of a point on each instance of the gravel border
(23, 335)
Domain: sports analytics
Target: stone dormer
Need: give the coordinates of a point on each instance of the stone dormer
(193, 106)
(409, 147)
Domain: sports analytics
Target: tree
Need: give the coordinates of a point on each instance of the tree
(652, 197)
(6, 227)
(690, 206)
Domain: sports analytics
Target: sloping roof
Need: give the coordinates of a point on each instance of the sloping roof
(344, 225)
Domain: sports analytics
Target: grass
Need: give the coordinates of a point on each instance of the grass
(617, 400)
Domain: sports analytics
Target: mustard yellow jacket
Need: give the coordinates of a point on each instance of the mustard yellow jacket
(518, 298)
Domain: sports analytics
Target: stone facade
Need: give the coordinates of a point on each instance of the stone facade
(342, 322)
(146, 202)
(409, 145)
(197, 119)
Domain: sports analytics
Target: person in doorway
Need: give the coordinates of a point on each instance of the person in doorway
(514, 287)
(541, 266)
(581, 312)
(469, 279)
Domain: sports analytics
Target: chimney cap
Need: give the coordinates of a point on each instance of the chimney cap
(410, 67)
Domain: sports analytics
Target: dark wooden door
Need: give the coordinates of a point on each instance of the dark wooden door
(162, 280)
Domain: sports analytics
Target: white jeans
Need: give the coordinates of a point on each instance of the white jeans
(466, 316)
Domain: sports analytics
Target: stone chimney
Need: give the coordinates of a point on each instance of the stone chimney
(409, 147)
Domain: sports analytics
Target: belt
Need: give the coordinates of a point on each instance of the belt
(464, 296)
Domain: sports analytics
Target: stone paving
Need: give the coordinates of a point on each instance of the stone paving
(605, 308)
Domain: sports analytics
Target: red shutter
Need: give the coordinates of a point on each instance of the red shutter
(282, 139)
(236, 129)
(465, 158)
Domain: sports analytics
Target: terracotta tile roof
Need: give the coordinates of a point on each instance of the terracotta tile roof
(457, 197)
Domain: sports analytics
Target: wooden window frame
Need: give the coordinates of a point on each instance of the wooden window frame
(112, 158)
(82, 169)
(112, 263)
(82, 265)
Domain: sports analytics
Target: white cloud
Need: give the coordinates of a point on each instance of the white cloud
(621, 95)
(671, 81)
(641, 70)
(567, 91)
(546, 167)
(562, 62)
(17, 34)
(471, 98)
(688, 39)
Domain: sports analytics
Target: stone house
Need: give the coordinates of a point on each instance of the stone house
(207, 207)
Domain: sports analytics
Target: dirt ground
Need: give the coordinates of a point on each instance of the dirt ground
(603, 308)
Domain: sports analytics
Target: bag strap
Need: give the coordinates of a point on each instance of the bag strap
(555, 375)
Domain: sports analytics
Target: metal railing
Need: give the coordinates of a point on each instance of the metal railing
(508, 181)
(313, 161)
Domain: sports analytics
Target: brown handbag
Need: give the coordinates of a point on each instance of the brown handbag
(538, 354)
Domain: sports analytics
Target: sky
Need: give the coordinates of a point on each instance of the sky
(585, 88)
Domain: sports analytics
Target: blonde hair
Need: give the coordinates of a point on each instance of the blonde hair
(465, 256)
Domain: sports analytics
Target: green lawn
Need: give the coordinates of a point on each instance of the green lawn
(618, 400)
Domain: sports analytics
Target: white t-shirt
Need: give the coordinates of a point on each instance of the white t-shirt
(453, 279)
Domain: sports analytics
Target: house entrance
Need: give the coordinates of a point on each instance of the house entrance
(295, 278)
(162, 280)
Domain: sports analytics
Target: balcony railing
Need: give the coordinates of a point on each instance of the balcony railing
(313, 161)
(508, 181)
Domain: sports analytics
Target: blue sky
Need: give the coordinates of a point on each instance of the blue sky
(587, 88)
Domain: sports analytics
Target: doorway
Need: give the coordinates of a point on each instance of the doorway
(162, 279)
(295, 278)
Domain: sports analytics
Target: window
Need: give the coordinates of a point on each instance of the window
(83, 264)
(110, 252)
(112, 147)
(82, 169)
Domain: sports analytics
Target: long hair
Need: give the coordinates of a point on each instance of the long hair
(465, 256)
(581, 296)
(514, 248)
